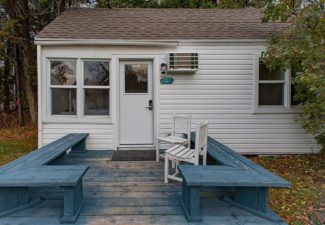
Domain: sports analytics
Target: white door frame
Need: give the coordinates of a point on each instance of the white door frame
(156, 92)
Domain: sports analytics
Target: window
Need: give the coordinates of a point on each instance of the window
(96, 87)
(63, 87)
(79, 88)
(271, 86)
(273, 90)
(136, 78)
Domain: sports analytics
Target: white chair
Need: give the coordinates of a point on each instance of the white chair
(181, 124)
(180, 153)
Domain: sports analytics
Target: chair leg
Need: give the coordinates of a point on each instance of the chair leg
(176, 167)
(157, 151)
(173, 164)
(205, 160)
(205, 156)
(166, 168)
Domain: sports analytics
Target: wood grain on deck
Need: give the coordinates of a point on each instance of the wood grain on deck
(127, 193)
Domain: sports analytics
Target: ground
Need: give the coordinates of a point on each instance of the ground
(302, 204)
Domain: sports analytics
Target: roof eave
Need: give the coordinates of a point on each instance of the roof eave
(162, 42)
(56, 41)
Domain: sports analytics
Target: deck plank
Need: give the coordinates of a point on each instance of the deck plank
(127, 193)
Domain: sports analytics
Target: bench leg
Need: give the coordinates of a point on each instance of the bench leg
(190, 201)
(80, 147)
(252, 197)
(73, 203)
(13, 199)
(254, 200)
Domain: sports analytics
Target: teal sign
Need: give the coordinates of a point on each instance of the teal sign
(166, 80)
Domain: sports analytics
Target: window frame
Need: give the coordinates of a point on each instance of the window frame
(83, 87)
(52, 86)
(286, 107)
(80, 116)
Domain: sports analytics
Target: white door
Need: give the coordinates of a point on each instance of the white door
(136, 103)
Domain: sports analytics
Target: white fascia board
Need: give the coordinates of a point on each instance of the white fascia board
(171, 42)
(224, 41)
(50, 41)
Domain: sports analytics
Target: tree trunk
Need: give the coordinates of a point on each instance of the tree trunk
(19, 74)
(29, 58)
(6, 75)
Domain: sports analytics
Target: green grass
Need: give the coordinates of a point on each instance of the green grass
(10, 150)
(16, 142)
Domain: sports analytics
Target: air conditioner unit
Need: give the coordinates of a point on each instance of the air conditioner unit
(183, 62)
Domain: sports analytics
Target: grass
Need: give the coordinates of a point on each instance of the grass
(303, 204)
(16, 142)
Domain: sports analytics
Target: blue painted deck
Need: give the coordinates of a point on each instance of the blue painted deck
(127, 193)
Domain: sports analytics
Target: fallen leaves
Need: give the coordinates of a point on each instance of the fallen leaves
(302, 204)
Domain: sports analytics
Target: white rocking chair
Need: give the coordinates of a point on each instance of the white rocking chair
(181, 124)
(180, 153)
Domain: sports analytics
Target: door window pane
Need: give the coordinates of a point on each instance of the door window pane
(136, 78)
(64, 101)
(63, 72)
(271, 94)
(96, 73)
(96, 101)
(266, 74)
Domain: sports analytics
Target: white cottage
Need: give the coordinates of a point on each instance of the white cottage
(119, 74)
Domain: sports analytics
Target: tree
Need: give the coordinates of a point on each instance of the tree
(20, 21)
(302, 47)
(241, 3)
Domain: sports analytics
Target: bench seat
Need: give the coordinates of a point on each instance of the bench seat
(15, 193)
(48, 153)
(65, 175)
(33, 170)
(247, 181)
(250, 189)
(226, 176)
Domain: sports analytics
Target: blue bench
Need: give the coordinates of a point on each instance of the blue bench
(32, 170)
(248, 182)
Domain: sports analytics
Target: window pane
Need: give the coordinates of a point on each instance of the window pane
(96, 101)
(136, 78)
(96, 73)
(64, 101)
(265, 74)
(271, 94)
(63, 72)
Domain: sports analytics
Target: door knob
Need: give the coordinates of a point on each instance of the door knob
(150, 105)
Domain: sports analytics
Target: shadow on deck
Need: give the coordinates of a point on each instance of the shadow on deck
(127, 193)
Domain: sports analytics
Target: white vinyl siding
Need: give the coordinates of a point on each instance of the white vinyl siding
(221, 91)
(101, 136)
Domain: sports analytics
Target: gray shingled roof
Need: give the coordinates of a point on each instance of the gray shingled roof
(159, 24)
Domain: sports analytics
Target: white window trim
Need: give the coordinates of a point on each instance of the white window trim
(79, 117)
(286, 107)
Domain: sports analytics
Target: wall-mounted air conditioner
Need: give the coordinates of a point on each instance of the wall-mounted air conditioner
(183, 62)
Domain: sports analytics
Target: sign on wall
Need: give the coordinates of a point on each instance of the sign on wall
(166, 80)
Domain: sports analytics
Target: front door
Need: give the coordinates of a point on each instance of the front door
(136, 103)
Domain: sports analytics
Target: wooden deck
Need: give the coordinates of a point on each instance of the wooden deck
(127, 193)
